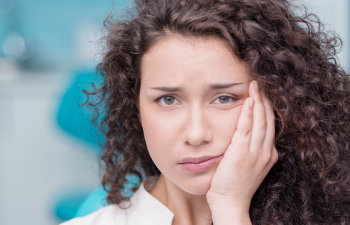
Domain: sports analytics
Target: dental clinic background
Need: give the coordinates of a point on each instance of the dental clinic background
(48, 147)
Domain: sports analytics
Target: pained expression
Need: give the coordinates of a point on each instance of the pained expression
(191, 94)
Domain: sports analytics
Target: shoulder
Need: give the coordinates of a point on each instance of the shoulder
(110, 214)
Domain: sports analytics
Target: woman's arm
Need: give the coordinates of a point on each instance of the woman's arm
(248, 159)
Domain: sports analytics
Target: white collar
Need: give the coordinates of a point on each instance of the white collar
(146, 209)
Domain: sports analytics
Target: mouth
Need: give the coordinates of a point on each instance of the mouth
(200, 164)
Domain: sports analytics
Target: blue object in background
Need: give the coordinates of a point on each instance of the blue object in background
(52, 31)
(75, 118)
(68, 204)
(93, 202)
(97, 199)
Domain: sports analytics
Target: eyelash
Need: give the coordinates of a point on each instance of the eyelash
(233, 98)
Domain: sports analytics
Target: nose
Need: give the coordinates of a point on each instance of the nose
(197, 129)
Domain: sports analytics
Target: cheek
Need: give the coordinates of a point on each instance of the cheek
(160, 132)
(164, 130)
(226, 124)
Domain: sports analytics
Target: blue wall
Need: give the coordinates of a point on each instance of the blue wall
(51, 28)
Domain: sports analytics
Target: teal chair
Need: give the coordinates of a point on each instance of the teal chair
(97, 199)
(93, 202)
(74, 118)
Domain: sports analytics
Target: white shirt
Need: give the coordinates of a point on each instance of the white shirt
(144, 210)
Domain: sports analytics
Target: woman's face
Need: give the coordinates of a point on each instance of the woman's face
(191, 94)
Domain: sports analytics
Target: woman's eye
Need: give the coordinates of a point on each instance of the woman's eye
(224, 99)
(167, 100)
(171, 100)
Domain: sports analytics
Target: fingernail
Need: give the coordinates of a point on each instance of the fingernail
(256, 86)
(251, 102)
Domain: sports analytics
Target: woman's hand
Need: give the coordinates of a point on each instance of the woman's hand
(245, 164)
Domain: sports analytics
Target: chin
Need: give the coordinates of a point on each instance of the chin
(197, 190)
(198, 185)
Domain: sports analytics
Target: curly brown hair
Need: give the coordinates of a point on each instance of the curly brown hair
(293, 61)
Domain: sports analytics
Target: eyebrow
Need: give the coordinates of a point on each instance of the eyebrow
(212, 86)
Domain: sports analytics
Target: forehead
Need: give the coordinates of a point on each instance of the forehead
(179, 59)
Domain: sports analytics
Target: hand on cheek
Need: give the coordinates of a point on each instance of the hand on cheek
(249, 157)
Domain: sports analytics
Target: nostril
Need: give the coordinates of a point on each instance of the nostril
(196, 136)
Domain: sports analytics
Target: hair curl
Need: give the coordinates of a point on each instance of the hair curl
(294, 62)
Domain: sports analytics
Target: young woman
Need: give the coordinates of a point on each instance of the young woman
(229, 112)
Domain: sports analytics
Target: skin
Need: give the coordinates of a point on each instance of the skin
(197, 120)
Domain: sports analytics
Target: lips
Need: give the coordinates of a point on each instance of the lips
(197, 160)
(199, 164)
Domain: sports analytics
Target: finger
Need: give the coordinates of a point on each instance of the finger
(241, 138)
(269, 141)
(273, 160)
(259, 119)
(274, 157)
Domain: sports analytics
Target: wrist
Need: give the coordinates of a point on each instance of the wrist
(229, 211)
(219, 202)
(230, 216)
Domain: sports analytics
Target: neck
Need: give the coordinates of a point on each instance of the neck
(187, 208)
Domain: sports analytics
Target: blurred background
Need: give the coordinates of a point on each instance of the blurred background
(48, 148)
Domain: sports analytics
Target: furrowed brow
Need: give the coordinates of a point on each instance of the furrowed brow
(223, 86)
(212, 86)
(167, 89)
